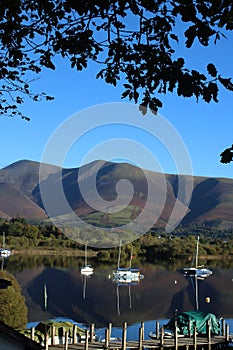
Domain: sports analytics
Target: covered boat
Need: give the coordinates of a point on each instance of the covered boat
(186, 321)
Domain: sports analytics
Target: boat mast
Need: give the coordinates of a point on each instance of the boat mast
(85, 255)
(119, 255)
(3, 239)
(131, 257)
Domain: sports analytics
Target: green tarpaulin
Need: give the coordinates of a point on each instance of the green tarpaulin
(188, 320)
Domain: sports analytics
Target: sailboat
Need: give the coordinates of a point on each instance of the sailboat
(126, 275)
(4, 252)
(198, 271)
(86, 270)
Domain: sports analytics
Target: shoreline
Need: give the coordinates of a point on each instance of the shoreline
(54, 252)
(81, 253)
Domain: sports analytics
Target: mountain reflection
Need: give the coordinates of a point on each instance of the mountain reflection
(162, 291)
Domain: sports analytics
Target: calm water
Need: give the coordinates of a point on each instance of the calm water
(98, 300)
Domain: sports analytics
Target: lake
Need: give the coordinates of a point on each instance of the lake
(99, 300)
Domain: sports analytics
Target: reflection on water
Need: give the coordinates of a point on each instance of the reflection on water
(163, 290)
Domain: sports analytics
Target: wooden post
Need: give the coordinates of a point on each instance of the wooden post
(33, 333)
(157, 330)
(86, 340)
(53, 335)
(106, 337)
(208, 331)
(92, 330)
(176, 338)
(74, 334)
(66, 341)
(143, 330)
(195, 338)
(140, 338)
(162, 337)
(223, 327)
(46, 337)
(109, 331)
(189, 325)
(124, 333)
(227, 333)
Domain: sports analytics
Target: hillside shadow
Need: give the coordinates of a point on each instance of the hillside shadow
(204, 198)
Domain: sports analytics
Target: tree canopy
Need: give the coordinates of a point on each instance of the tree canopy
(134, 41)
(13, 309)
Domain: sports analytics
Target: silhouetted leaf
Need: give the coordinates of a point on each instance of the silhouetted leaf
(143, 109)
(174, 37)
(212, 70)
(226, 82)
(227, 155)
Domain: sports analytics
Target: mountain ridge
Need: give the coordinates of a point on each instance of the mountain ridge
(211, 202)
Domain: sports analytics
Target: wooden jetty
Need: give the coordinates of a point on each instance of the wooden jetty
(160, 341)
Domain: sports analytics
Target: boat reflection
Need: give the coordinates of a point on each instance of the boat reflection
(124, 283)
(84, 284)
(194, 281)
(126, 277)
(86, 272)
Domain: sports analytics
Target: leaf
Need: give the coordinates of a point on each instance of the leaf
(214, 91)
(226, 82)
(143, 109)
(49, 98)
(227, 155)
(174, 37)
(190, 34)
(212, 70)
(125, 93)
(127, 86)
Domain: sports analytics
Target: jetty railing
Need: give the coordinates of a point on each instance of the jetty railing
(159, 341)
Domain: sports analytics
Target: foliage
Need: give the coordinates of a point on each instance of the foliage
(183, 245)
(13, 310)
(155, 245)
(134, 41)
(20, 234)
(227, 155)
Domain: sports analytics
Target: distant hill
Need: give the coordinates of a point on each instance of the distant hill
(212, 199)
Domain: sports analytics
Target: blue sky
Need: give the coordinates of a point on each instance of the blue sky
(206, 129)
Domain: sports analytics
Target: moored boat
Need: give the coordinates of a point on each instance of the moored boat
(200, 272)
(126, 275)
(4, 252)
(86, 270)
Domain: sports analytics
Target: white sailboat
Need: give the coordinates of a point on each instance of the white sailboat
(4, 252)
(126, 275)
(86, 270)
(198, 271)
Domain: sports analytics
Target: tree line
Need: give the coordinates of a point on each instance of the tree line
(156, 244)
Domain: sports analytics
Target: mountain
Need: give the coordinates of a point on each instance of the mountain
(21, 184)
(15, 203)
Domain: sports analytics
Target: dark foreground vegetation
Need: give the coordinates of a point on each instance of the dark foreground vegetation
(23, 236)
